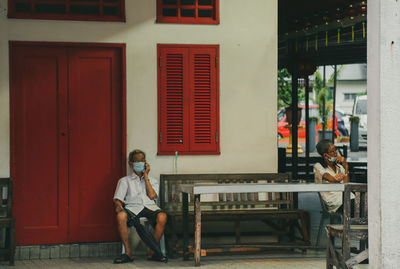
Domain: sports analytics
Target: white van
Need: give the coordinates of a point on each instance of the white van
(360, 110)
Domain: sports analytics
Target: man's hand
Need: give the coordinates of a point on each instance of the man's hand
(118, 206)
(146, 170)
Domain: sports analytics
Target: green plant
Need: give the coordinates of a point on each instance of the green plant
(324, 105)
(285, 89)
(362, 93)
(323, 94)
(354, 119)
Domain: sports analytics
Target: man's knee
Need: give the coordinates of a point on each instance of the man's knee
(122, 217)
(162, 218)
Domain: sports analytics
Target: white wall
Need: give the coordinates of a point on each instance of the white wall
(383, 134)
(343, 87)
(247, 36)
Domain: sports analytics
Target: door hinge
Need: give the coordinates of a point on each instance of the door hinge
(216, 61)
(159, 61)
(216, 137)
(160, 138)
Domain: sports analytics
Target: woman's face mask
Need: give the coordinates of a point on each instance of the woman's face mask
(139, 167)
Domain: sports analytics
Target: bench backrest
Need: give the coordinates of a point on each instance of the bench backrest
(359, 214)
(171, 198)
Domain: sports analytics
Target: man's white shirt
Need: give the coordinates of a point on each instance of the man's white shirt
(132, 191)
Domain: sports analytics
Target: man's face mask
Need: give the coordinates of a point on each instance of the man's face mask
(139, 167)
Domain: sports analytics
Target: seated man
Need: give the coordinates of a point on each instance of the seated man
(133, 199)
(332, 169)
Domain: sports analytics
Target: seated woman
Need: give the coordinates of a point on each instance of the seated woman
(332, 169)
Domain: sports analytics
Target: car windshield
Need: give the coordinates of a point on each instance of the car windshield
(361, 107)
(281, 114)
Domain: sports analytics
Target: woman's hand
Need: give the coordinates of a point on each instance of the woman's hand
(340, 159)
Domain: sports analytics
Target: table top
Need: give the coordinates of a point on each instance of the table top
(209, 188)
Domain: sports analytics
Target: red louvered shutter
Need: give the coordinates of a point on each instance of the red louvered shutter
(173, 114)
(204, 99)
(188, 99)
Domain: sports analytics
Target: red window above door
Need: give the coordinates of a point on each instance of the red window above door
(188, 99)
(79, 10)
(188, 11)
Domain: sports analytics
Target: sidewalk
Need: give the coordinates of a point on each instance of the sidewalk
(311, 260)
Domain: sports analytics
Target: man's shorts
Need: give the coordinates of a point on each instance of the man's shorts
(149, 214)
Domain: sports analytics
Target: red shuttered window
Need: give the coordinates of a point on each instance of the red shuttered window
(188, 11)
(79, 10)
(188, 99)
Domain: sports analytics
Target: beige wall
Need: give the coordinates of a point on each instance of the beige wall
(247, 36)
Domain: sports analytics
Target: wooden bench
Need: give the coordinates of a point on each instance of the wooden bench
(6, 219)
(274, 209)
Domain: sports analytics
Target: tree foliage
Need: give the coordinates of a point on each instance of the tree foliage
(285, 89)
(324, 94)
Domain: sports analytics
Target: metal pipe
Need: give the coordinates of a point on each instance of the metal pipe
(334, 105)
(307, 125)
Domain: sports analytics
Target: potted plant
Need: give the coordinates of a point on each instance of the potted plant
(324, 108)
(313, 121)
(354, 142)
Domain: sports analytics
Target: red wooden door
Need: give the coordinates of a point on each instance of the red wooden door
(67, 143)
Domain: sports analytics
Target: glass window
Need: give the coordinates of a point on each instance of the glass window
(188, 11)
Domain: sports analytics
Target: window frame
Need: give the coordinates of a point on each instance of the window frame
(120, 4)
(160, 150)
(187, 20)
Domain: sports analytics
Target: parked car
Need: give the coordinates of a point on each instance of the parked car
(282, 122)
(360, 110)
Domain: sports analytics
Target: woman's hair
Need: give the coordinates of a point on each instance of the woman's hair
(134, 152)
(323, 146)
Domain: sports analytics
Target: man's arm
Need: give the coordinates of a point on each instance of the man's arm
(149, 189)
(119, 195)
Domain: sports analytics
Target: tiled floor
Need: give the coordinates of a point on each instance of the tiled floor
(279, 261)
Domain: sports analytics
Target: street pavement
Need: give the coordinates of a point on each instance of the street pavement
(311, 260)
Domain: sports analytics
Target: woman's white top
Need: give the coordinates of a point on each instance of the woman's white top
(333, 200)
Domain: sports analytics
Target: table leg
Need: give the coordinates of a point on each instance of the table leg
(197, 232)
(185, 224)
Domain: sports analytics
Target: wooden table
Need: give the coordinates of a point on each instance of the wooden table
(198, 189)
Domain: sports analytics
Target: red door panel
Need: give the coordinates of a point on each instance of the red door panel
(39, 153)
(95, 136)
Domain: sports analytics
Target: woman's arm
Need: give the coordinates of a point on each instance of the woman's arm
(342, 161)
(333, 179)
